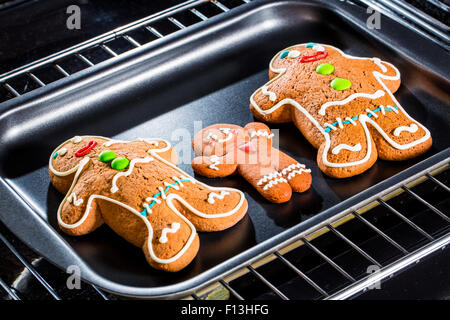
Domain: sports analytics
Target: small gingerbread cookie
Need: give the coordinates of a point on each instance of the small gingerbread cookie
(137, 190)
(343, 105)
(225, 149)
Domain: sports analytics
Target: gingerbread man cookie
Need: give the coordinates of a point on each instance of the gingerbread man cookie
(137, 190)
(224, 149)
(343, 105)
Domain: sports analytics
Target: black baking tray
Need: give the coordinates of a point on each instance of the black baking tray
(199, 76)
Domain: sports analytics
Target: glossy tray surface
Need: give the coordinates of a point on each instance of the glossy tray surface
(172, 88)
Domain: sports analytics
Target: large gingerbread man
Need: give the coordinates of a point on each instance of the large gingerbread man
(343, 105)
(224, 149)
(137, 190)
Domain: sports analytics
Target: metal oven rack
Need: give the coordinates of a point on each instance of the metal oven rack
(27, 78)
(256, 275)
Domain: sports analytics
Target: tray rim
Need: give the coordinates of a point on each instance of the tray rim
(236, 262)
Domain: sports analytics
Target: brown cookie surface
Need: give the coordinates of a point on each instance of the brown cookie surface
(137, 190)
(343, 105)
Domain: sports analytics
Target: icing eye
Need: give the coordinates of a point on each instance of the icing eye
(315, 46)
(284, 54)
(289, 54)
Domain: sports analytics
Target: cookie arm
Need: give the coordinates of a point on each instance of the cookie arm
(214, 166)
(268, 103)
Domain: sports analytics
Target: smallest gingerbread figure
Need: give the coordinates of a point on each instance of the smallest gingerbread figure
(225, 149)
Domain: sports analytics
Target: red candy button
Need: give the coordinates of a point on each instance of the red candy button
(85, 150)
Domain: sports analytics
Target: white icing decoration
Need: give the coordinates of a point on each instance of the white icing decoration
(76, 139)
(343, 146)
(62, 152)
(274, 182)
(154, 152)
(73, 199)
(268, 177)
(377, 61)
(318, 47)
(114, 187)
(293, 54)
(211, 136)
(220, 196)
(153, 141)
(292, 167)
(292, 172)
(376, 95)
(272, 95)
(362, 118)
(215, 161)
(351, 121)
(261, 133)
(226, 131)
(173, 228)
(295, 172)
(411, 128)
(373, 114)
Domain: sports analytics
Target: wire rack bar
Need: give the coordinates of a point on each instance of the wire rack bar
(391, 269)
(353, 245)
(232, 291)
(199, 14)
(301, 274)
(30, 268)
(408, 221)
(131, 40)
(60, 69)
(109, 50)
(431, 207)
(36, 79)
(443, 186)
(267, 283)
(177, 23)
(154, 31)
(101, 39)
(328, 260)
(8, 290)
(84, 59)
(11, 89)
(379, 232)
(220, 6)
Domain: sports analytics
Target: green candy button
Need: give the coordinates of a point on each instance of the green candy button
(106, 156)
(340, 84)
(120, 163)
(325, 68)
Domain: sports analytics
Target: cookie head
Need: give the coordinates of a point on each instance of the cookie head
(67, 157)
(219, 139)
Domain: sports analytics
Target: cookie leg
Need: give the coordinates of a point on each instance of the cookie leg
(267, 181)
(396, 135)
(172, 241)
(348, 150)
(79, 212)
(208, 208)
(297, 175)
